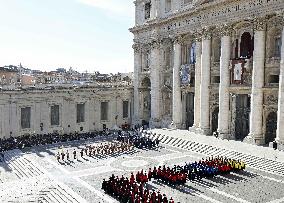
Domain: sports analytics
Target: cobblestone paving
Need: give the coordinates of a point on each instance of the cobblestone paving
(35, 176)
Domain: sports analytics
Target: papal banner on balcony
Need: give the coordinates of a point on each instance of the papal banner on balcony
(237, 71)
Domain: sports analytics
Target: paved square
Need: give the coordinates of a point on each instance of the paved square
(34, 175)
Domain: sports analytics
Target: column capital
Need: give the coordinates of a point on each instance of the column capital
(259, 24)
(136, 47)
(155, 43)
(178, 39)
(197, 36)
(225, 30)
(206, 33)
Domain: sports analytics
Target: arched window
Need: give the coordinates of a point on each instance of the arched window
(246, 46)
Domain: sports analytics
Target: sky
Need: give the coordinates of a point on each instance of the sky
(87, 35)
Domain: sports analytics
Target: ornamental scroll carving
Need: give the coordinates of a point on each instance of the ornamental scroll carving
(271, 99)
(155, 44)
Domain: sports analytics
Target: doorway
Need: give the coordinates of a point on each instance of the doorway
(271, 126)
(242, 111)
(189, 103)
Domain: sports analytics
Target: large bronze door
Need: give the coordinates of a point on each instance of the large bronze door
(242, 116)
(271, 126)
(189, 109)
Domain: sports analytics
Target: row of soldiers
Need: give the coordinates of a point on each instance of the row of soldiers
(92, 150)
(127, 191)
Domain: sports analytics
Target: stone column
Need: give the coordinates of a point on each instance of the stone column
(280, 116)
(204, 84)
(224, 96)
(177, 105)
(137, 70)
(256, 133)
(155, 9)
(155, 84)
(198, 47)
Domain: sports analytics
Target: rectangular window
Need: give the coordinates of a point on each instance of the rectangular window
(104, 111)
(278, 43)
(80, 113)
(54, 115)
(147, 10)
(125, 109)
(168, 5)
(26, 117)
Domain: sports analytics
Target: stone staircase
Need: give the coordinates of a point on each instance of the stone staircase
(21, 166)
(263, 164)
(56, 194)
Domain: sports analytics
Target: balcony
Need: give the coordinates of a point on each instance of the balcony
(241, 72)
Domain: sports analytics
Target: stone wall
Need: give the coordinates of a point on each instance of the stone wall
(40, 101)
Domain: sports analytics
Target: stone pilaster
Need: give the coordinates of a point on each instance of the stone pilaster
(177, 105)
(137, 70)
(224, 96)
(204, 84)
(280, 116)
(198, 47)
(256, 118)
(155, 84)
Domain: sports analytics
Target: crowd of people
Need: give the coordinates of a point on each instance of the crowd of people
(205, 168)
(130, 191)
(95, 150)
(44, 139)
(138, 139)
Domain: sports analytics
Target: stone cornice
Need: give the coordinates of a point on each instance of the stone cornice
(196, 18)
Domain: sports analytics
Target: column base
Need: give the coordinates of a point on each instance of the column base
(255, 140)
(193, 129)
(224, 136)
(175, 125)
(155, 123)
(204, 131)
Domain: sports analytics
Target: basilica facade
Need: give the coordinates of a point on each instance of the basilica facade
(211, 66)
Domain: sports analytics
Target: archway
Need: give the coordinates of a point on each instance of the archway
(214, 121)
(146, 100)
(246, 46)
(242, 112)
(271, 126)
(189, 107)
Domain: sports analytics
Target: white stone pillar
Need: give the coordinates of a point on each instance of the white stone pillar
(280, 116)
(137, 70)
(256, 133)
(224, 96)
(155, 84)
(177, 105)
(198, 47)
(155, 9)
(204, 85)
